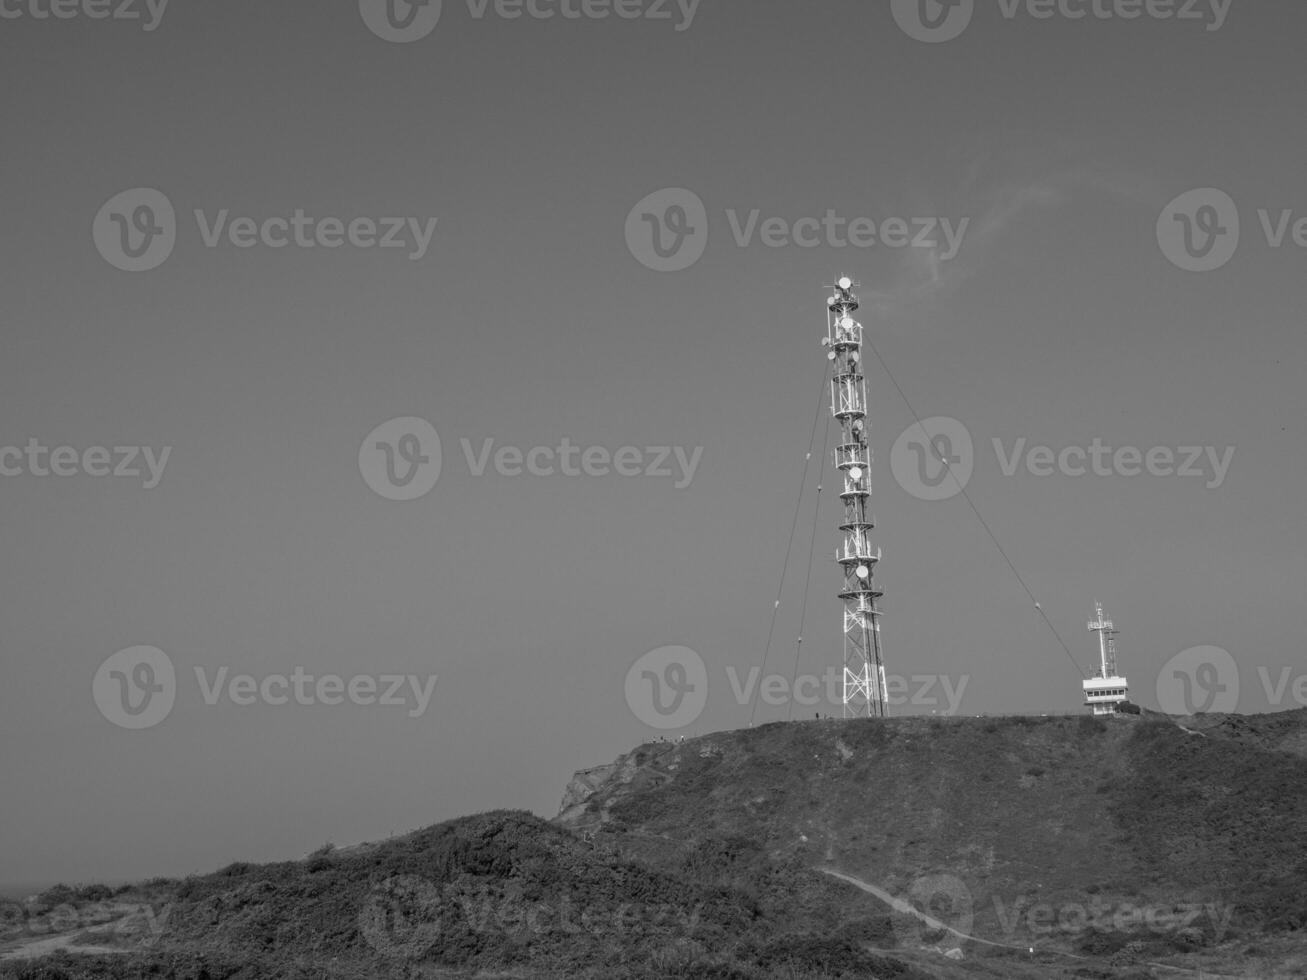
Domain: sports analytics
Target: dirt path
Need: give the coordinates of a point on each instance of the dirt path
(899, 905)
(41, 947)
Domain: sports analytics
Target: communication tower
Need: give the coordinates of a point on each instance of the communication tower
(864, 666)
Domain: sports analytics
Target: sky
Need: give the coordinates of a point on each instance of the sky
(243, 367)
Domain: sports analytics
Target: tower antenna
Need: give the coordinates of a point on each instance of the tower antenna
(1105, 690)
(864, 666)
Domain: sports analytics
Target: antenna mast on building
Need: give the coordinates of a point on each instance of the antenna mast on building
(1105, 690)
(864, 667)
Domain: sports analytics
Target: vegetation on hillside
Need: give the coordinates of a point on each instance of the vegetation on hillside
(499, 892)
(699, 860)
(1204, 812)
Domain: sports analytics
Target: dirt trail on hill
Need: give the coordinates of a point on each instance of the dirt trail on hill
(51, 944)
(899, 905)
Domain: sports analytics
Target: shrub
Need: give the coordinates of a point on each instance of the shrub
(320, 859)
(58, 895)
(1091, 725)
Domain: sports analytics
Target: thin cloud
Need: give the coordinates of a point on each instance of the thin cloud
(923, 275)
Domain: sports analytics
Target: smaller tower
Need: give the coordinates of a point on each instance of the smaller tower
(1105, 690)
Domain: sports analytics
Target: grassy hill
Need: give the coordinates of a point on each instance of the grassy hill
(1283, 731)
(500, 894)
(1064, 847)
(1118, 831)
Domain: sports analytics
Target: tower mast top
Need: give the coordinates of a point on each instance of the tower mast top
(1106, 642)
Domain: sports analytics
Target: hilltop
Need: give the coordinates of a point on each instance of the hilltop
(1200, 825)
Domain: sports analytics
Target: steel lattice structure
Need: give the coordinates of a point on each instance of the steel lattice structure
(864, 666)
(1106, 689)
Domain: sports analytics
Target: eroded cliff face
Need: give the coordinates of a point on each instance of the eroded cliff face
(591, 793)
(583, 787)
